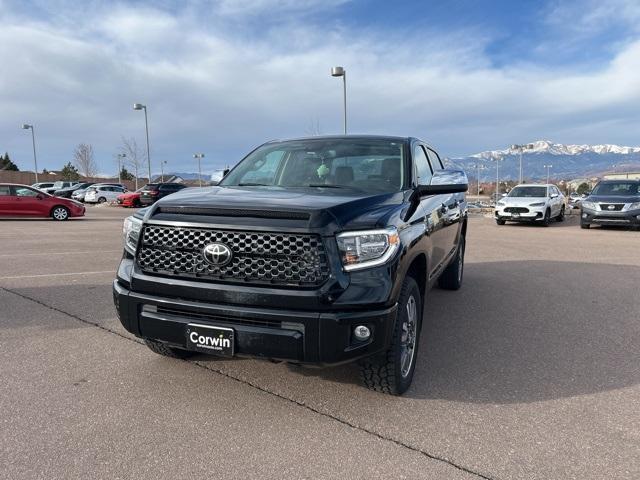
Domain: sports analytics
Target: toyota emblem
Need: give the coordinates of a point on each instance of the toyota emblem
(217, 254)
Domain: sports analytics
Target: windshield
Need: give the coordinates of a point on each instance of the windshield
(617, 188)
(528, 192)
(369, 165)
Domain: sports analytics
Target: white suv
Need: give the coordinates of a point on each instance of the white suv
(531, 203)
(102, 193)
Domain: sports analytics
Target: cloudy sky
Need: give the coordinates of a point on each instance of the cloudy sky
(223, 76)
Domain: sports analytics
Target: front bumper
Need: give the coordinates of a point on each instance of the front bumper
(534, 214)
(306, 337)
(630, 217)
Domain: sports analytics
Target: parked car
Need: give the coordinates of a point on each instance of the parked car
(42, 185)
(24, 201)
(130, 199)
(102, 193)
(312, 251)
(155, 191)
(59, 185)
(531, 203)
(67, 192)
(612, 202)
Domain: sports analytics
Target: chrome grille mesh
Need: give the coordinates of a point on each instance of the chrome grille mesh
(258, 257)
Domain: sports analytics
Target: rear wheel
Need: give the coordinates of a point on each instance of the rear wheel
(451, 278)
(392, 372)
(60, 213)
(167, 351)
(102, 200)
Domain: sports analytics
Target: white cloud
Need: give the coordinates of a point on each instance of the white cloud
(211, 90)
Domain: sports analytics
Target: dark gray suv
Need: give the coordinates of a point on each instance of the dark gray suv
(612, 202)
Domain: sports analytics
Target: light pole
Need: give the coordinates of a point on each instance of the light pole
(139, 106)
(120, 157)
(498, 160)
(341, 72)
(548, 167)
(520, 149)
(199, 156)
(26, 126)
(162, 164)
(479, 167)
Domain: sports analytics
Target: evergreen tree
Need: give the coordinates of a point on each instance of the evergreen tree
(69, 172)
(125, 174)
(7, 164)
(583, 188)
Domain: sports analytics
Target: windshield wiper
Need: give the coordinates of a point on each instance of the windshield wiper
(252, 184)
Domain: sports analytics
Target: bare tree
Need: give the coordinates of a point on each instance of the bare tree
(83, 158)
(314, 127)
(134, 155)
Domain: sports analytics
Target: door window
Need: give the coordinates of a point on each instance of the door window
(434, 158)
(423, 169)
(25, 192)
(5, 190)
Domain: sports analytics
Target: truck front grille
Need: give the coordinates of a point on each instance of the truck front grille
(257, 257)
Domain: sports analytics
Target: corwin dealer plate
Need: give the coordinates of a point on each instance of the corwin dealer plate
(207, 339)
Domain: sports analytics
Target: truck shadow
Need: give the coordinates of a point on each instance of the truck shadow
(530, 331)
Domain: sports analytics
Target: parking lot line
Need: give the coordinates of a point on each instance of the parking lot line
(57, 274)
(57, 253)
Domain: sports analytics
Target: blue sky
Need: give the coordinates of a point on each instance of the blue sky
(222, 76)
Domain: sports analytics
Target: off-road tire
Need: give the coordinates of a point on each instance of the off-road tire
(451, 278)
(382, 373)
(167, 351)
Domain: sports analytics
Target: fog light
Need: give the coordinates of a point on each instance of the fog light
(362, 333)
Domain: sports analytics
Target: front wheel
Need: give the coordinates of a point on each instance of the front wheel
(102, 200)
(547, 218)
(560, 217)
(392, 372)
(499, 221)
(60, 213)
(585, 225)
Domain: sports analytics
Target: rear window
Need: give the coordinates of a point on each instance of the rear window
(151, 187)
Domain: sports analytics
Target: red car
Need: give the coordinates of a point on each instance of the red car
(129, 199)
(22, 201)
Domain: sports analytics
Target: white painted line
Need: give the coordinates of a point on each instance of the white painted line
(58, 253)
(113, 272)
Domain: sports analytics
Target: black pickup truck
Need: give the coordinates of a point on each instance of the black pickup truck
(314, 251)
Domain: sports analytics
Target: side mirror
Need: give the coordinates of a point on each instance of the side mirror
(445, 181)
(40, 196)
(504, 194)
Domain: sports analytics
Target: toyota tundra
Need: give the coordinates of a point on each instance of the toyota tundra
(315, 251)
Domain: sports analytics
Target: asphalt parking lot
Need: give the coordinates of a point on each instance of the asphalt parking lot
(532, 370)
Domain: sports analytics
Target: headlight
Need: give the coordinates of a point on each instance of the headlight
(634, 206)
(589, 205)
(501, 204)
(131, 232)
(367, 248)
(537, 204)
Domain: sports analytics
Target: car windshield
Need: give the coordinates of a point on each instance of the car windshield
(528, 192)
(617, 189)
(363, 165)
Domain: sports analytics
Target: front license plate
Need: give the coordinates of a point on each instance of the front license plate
(206, 339)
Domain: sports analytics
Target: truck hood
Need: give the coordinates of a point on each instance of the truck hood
(344, 209)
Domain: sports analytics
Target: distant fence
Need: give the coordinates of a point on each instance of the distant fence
(28, 178)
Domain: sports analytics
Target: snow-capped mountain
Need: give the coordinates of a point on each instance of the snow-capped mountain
(567, 161)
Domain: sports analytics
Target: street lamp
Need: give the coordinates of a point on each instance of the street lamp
(498, 160)
(199, 156)
(162, 164)
(120, 157)
(26, 126)
(548, 167)
(341, 72)
(520, 148)
(479, 166)
(139, 106)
